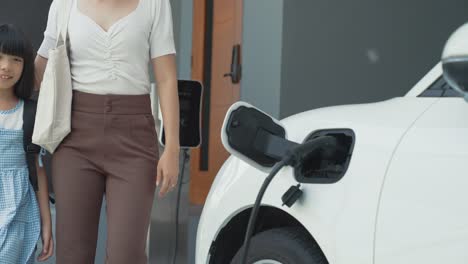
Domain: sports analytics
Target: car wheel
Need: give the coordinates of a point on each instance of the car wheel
(282, 246)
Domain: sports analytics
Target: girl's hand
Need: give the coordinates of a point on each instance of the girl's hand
(168, 171)
(47, 243)
(46, 220)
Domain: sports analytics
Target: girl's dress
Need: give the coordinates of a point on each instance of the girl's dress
(19, 211)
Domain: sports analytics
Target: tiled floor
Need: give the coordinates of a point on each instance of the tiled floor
(194, 218)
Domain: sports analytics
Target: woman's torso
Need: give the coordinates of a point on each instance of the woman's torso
(112, 61)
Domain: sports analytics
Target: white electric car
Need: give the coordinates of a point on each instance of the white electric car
(395, 191)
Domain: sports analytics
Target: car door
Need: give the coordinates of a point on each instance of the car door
(423, 211)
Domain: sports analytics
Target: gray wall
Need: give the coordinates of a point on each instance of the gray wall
(182, 19)
(342, 52)
(184, 47)
(304, 54)
(261, 58)
(30, 16)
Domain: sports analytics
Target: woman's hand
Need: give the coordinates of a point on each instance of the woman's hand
(168, 171)
(166, 81)
(47, 242)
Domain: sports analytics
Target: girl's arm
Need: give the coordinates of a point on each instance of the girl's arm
(166, 81)
(46, 219)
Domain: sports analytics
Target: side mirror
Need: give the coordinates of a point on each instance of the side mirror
(455, 61)
(190, 93)
(253, 136)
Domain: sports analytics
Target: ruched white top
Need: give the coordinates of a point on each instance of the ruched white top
(115, 61)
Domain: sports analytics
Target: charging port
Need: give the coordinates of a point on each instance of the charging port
(327, 164)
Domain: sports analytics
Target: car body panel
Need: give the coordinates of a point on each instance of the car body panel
(423, 215)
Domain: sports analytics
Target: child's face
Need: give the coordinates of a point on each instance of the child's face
(11, 68)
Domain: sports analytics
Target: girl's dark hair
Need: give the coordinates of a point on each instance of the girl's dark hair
(14, 42)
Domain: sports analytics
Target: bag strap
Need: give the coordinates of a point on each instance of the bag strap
(29, 115)
(64, 11)
(31, 150)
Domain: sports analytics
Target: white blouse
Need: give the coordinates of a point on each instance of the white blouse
(115, 61)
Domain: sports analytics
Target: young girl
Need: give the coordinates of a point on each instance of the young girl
(20, 215)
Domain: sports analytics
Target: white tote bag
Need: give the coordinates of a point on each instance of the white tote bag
(53, 116)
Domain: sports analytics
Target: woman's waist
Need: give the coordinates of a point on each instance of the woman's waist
(110, 80)
(111, 103)
(117, 87)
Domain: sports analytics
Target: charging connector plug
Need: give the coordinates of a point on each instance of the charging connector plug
(292, 195)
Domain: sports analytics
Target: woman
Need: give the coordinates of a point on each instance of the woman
(112, 147)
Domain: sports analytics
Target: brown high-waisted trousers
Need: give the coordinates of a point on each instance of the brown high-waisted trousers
(111, 149)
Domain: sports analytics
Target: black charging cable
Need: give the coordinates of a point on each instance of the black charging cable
(292, 157)
(185, 158)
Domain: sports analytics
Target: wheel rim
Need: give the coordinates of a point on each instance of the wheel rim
(267, 261)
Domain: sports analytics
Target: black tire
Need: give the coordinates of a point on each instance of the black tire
(284, 245)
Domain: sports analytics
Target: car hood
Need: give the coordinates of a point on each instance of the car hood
(390, 115)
